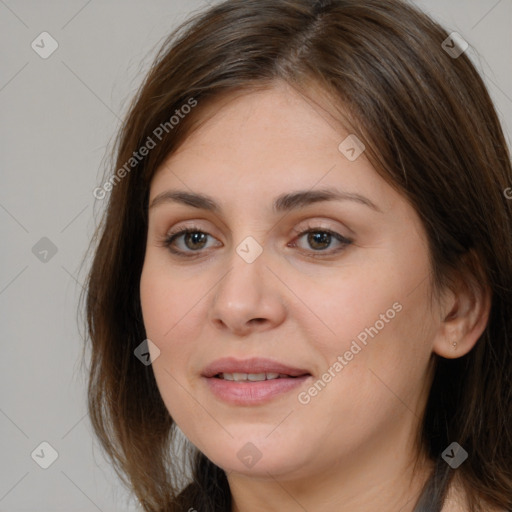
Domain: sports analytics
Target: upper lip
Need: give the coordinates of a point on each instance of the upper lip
(252, 365)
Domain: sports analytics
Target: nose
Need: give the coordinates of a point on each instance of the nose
(248, 298)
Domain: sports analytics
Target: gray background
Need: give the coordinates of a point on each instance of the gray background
(58, 118)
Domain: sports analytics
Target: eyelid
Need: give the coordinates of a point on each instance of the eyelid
(325, 222)
(192, 226)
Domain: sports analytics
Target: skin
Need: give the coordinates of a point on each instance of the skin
(353, 446)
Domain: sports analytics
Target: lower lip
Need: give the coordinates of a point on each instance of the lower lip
(253, 393)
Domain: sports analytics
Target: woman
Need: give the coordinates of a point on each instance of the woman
(309, 237)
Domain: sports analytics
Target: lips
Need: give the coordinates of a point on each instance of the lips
(253, 381)
(253, 366)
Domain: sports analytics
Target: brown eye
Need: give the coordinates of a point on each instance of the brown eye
(319, 240)
(195, 240)
(187, 240)
(191, 240)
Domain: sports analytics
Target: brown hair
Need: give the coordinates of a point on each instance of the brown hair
(430, 130)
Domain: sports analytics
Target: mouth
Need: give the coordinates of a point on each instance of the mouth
(252, 381)
(254, 377)
(254, 367)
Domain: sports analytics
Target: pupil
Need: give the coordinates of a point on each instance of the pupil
(319, 240)
(196, 238)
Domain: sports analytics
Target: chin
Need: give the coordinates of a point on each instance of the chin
(257, 457)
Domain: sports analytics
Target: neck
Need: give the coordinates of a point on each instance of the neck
(387, 482)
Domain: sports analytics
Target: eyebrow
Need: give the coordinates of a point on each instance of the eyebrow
(282, 203)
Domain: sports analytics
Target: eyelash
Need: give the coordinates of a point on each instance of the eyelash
(169, 239)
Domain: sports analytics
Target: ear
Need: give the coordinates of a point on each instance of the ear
(465, 310)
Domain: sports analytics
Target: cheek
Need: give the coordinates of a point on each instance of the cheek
(171, 322)
(347, 303)
(169, 319)
(376, 317)
(169, 302)
(152, 296)
(174, 308)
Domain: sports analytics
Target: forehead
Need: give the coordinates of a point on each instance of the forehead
(267, 127)
(280, 110)
(260, 144)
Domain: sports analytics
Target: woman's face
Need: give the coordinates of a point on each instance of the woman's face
(344, 309)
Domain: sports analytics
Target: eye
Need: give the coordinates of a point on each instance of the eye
(319, 239)
(192, 240)
(187, 241)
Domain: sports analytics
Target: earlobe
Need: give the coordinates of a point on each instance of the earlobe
(463, 320)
